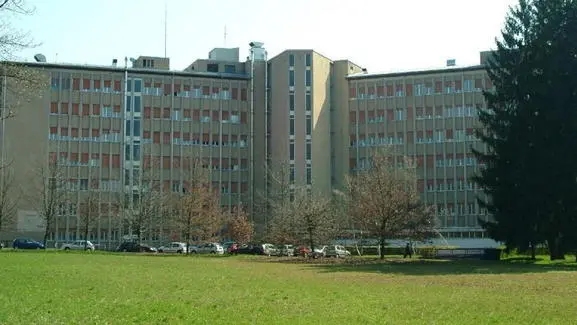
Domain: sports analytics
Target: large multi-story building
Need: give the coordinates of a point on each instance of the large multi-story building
(299, 113)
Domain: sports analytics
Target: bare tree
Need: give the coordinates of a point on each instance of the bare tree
(386, 203)
(240, 229)
(197, 212)
(305, 218)
(141, 205)
(89, 214)
(48, 192)
(8, 197)
(18, 81)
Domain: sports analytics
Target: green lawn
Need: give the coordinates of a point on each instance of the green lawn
(84, 288)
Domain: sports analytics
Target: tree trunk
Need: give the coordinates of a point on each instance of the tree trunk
(311, 242)
(46, 230)
(555, 250)
(382, 247)
(532, 251)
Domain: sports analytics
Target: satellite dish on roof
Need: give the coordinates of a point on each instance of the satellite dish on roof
(40, 57)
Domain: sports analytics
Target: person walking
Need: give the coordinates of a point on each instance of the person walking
(408, 251)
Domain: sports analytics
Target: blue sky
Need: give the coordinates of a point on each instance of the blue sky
(381, 35)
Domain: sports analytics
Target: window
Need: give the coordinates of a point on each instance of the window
(136, 104)
(291, 60)
(129, 85)
(309, 175)
(308, 78)
(137, 85)
(291, 78)
(309, 126)
(128, 103)
(308, 102)
(229, 68)
(308, 60)
(136, 152)
(292, 150)
(55, 83)
(292, 174)
(136, 128)
(212, 67)
(292, 125)
(292, 100)
(309, 151)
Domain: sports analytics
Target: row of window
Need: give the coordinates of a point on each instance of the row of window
(308, 60)
(374, 91)
(308, 101)
(402, 114)
(177, 186)
(113, 160)
(156, 89)
(450, 160)
(460, 209)
(428, 136)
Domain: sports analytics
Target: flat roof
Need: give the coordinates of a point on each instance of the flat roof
(413, 72)
(103, 68)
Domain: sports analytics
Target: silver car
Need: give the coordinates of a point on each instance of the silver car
(337, 251)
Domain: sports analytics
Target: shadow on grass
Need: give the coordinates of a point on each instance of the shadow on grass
(416, 267)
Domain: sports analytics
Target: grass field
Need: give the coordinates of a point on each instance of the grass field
(84, 288)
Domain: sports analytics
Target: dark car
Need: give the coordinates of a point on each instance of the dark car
(252, 249)
(133, 247)
(26, 243)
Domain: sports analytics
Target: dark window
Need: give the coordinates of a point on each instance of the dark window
(292, 101)
(309, 175)
(65, 83)
(136, 128)
(292, 126)
(308, 60)
(212, 67)
(291, 78)
(309, 122)
(137, 85)
(127, 129)
(292, 151)
(309, 151)
(136, 152)
(229, 68)
(291, 60)
(308, 102)
(55, 83)
(129, 85)
(127, 154)
(292, 174)
(136, 104)
(128, 103)
(308, 78)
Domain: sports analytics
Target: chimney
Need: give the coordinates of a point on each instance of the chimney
(114, 62)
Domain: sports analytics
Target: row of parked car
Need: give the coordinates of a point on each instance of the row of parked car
(207, 248)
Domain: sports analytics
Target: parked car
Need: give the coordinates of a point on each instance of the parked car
(285, 250)
(209, 248)
(226, 245)
(252, 249)
(133, 247)
(319, 252)
(302, 251)
(232, 248)
(337, 251)
(26, 243)
(78, 245)
(174, 247)
(269, 249)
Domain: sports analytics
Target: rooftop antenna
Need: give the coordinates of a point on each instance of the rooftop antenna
(165, 24)
(225, 35)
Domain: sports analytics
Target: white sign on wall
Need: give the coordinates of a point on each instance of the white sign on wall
(29, 221)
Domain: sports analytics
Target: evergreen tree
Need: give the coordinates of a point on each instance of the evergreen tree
(530, 128)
